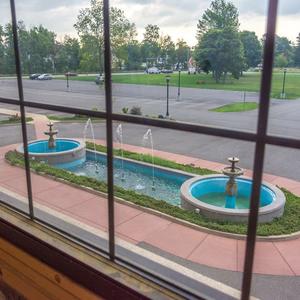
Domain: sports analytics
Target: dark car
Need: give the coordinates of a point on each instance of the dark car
(34, 76)
(71, 74)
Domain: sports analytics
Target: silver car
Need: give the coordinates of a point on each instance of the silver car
(45, 77)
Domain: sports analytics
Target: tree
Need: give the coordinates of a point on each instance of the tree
(220, 15)
(151, 34)
(167, 50)
(182, 53)
(219, 48)
(221, 51)
(252, 49)
(90, 25)
(297, 52)
(2, 51)
(150, 46)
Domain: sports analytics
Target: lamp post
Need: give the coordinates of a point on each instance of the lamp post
(68, 86)
(168, 82)
(179, 73)
(283, 84)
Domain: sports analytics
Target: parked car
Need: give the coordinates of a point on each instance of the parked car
(153, 70)
(166, 71)
(71, 74)
(99, 79)
(192, 70)
(34, 76)
(45, 77)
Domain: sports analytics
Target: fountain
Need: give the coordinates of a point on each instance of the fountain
(119, 133)
(56, 151)
(227, 197)
(148, 137)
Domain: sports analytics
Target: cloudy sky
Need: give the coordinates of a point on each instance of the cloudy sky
(177, 18)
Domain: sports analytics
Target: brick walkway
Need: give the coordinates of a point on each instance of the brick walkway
(135, 226)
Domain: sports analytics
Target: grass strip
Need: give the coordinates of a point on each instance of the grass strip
(236, 107)
(14, 121)
(157, 160)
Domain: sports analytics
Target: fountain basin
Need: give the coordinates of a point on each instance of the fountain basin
(207, 193)
(66, 151)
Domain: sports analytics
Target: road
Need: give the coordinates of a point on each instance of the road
(192, 107)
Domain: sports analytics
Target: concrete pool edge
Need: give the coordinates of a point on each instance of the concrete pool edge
(266, 213)
(53, 158)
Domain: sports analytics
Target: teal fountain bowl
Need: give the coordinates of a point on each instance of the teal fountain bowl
(66, 151)
(206, 195)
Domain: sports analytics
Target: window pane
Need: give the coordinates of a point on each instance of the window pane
(275, 262)
(68, 177)
(168, 246)
(13, 185)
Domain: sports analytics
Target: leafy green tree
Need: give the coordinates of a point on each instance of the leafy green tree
(219, 48)
(2, 51)
(182, 53)
(297, 52)
(221, 51)
(220, 15)
(281, 61)
(90, 24)
(150, 45)
(252, 49)
(67, 57)
(167, 50)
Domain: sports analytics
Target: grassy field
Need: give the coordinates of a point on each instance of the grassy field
(236, 107)
(249, 82)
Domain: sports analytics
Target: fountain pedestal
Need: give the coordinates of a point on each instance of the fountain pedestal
(51, 133)
(231, 187)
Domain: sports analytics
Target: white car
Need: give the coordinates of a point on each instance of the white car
(153, 70)
(45, 77)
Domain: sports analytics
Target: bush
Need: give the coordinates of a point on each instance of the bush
(136, 110)
(14, 118)
(125, 110)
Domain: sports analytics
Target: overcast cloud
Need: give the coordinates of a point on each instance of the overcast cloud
(175, 17)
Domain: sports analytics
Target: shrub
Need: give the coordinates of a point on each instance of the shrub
(125, 110)
(136, 110)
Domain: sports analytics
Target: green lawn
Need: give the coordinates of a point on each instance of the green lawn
(249, 82)
(236, 107)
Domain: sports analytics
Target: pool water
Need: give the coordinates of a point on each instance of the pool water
(134, 176)
(212, 191)
(61, 145)
(219, 199)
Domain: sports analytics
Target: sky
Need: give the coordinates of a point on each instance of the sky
(178, 18)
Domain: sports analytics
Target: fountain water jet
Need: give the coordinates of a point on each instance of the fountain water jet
(148, 137)
(87, 125)
(119, 132)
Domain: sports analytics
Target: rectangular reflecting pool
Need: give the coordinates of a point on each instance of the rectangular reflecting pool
(133, 176)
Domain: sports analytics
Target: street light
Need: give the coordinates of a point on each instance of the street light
(167, 81)
(179, 73)
(68, 86)
(282, 96)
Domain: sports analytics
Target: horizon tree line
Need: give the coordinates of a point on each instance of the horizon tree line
(221, 48)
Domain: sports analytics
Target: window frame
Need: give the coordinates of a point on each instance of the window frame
(261, 138)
